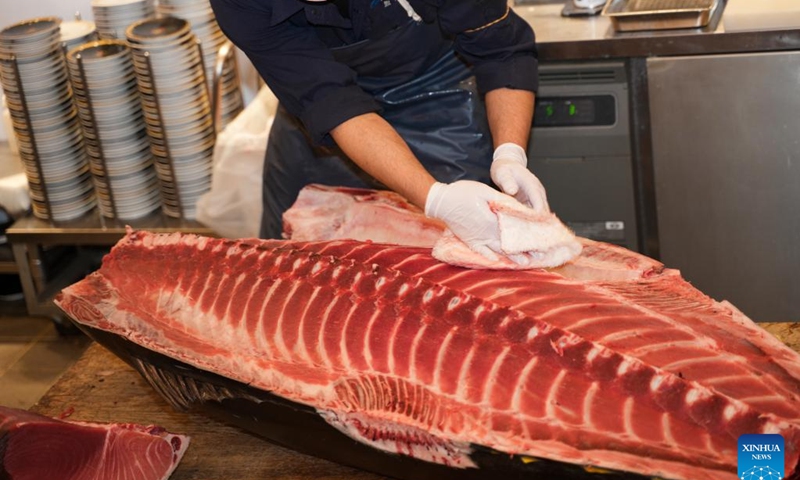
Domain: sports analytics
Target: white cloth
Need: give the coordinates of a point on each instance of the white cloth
(14, 196)
(232, 208)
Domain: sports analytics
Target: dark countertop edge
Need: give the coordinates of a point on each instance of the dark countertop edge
(93, 229)
(694, 43)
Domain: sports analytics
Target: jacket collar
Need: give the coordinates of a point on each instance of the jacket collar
(283, 9)
(322, 13)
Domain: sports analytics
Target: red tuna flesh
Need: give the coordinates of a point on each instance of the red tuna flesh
(411, 355)
(35, 447)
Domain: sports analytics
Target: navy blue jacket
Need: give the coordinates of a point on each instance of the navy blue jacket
(292, 44)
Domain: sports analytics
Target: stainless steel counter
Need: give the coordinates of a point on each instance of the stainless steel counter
(592, 38)
(551, 27)
(93, 229)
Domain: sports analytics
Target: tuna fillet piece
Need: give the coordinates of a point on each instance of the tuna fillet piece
(35, 447)
(422, 358)
(332, 213)
(323, 213)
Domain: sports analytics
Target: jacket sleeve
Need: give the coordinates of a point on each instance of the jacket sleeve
(295, 64)
(490, 35)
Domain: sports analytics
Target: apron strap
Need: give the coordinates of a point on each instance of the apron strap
(410, 10)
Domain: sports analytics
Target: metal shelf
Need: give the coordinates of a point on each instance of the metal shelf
(8, 267)
(35, 241)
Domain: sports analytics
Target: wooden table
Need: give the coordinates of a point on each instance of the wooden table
(102, 388)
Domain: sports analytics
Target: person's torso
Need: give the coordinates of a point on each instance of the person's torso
(376, 38)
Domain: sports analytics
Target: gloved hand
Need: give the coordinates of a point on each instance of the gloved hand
(510, 172)
(464, 207)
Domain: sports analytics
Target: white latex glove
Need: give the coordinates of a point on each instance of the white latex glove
(510, 172)
(464, 207)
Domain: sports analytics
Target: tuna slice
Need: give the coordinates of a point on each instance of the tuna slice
(323, 213)
(415, 356)
(35, 447)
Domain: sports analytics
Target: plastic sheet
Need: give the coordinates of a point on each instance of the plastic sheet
(232, 208)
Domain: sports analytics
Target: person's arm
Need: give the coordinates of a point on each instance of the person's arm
(385, 155)
(510, 114)
(464, 206)
(502, 48)
(378, 149)
(296, 65)
(499, 44)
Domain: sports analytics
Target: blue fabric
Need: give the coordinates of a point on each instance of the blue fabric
(293, 44)
(439, 114)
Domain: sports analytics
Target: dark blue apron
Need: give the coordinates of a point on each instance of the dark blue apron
(439, 114)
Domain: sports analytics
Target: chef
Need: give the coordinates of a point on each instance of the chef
(430, 98)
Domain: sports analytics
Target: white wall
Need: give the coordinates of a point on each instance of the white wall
(12, 11)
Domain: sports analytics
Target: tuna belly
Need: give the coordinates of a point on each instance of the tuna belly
(35, 447)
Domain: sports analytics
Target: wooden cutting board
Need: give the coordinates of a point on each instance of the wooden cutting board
(102, 388)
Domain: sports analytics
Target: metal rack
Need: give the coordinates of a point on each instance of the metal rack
(636, 15)
(164, 132)
(12, 60)
(169, 157)
(226, 53)
(102, 157)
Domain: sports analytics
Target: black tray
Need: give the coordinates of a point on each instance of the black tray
(300, 428)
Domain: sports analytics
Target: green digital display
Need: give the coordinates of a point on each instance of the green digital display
(575, 111)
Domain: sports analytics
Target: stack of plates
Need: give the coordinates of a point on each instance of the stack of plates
(174, 95)
(45, 119)
(114, 16)
(115, 134)
(204, 25)
(76, 33)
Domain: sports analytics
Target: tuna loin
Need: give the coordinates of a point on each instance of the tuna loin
(323, 213)
(34, 447)
(333, 213)
(422, 358)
